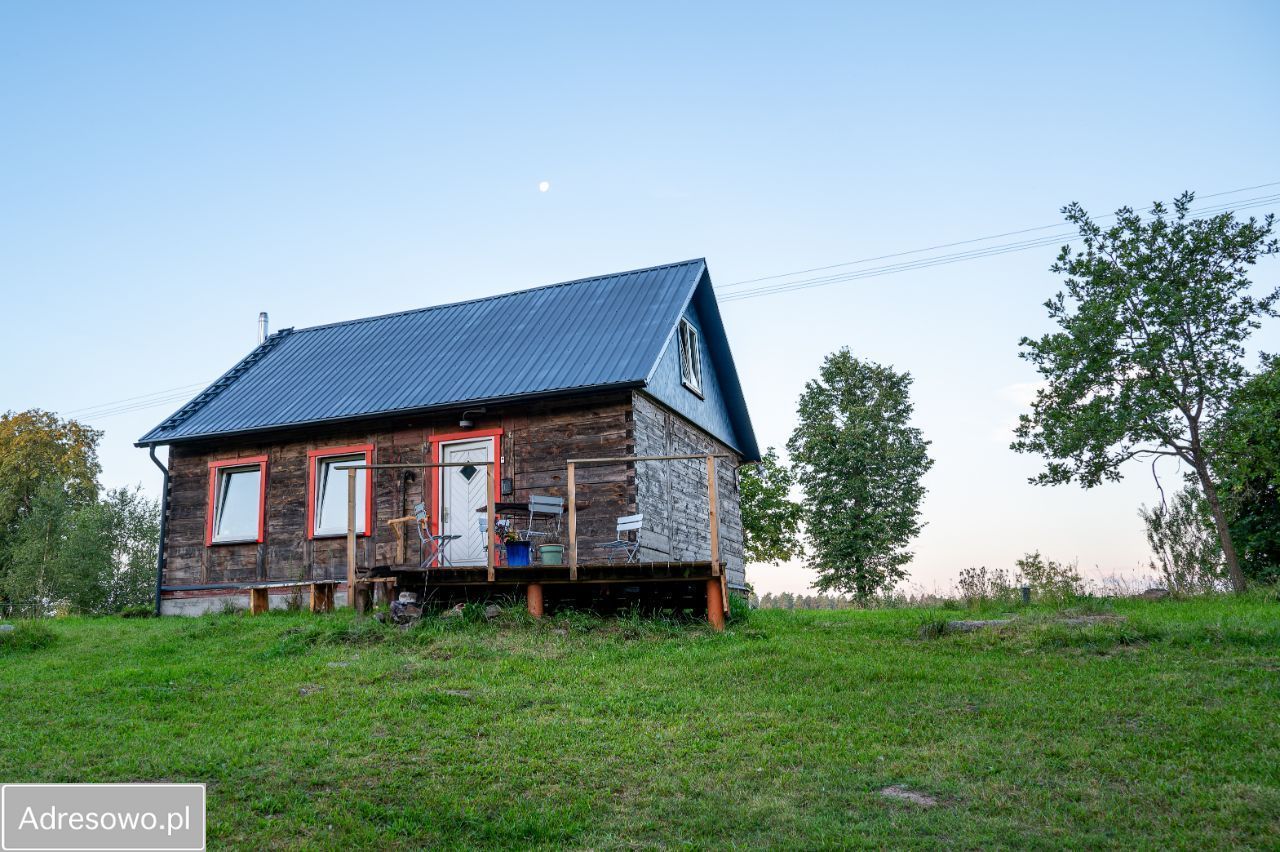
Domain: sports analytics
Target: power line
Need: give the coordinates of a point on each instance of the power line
(733, 284)
(140, 397)
(953, 257)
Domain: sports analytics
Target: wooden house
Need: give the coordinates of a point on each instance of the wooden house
(458, 408)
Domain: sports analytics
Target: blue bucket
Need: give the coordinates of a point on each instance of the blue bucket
(518, 554)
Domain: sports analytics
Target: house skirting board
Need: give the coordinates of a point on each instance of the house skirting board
(204, 603)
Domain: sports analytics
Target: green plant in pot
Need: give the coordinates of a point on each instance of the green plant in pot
(551, 551)
(517, 549)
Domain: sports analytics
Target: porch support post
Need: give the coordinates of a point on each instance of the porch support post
(534, 595)
(573, 523)
(715, 517)
(715, 603)
(353, 591)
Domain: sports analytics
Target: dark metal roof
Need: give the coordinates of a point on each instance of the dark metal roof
(588, 334)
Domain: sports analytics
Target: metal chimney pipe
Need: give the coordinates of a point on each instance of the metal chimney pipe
(262, 326)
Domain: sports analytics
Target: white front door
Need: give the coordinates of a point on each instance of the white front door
(462, 491)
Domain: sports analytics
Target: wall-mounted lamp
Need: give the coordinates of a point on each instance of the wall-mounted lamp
(466, 422)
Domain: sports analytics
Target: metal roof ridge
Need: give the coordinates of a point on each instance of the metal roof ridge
(496, 296)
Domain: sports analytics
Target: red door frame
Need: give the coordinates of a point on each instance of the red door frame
(473, 435)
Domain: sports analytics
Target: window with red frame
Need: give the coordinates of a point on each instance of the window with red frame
(237, 500)
(327, 490)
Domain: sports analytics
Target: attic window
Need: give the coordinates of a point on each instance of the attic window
(327, 491)
(236, 504)
(690, 357)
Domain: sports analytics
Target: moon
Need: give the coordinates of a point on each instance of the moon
(543, 186)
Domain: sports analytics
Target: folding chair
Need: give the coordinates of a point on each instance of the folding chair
(626, 526)
(434, 547)
(542, 506)
(501, 525)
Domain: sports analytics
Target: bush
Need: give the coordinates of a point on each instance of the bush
(1050, 581)
(1186, 544)
(26, 636)
(977, 585)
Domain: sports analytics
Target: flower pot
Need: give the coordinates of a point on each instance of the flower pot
(551, 554)
(517, 554)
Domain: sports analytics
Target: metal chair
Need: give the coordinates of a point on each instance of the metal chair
(543, 506)
(434, 546)
(626, 526)
(501, 525)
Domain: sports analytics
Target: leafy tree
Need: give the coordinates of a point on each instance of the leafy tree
(95, 558)
(770, 518)
(859, 463)
(1182, 536)
(1246, 444)
(38, 451)
(1149, 348)
(36, 448)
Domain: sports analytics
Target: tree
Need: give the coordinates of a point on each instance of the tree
(1246, 444)
(38, 451)
(36, 447)
(95, 558)
(1150, 347)
(859, 463)
(770, 518)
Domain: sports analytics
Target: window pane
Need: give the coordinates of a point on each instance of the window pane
(690, 356)
(238, 501)
(331, 501)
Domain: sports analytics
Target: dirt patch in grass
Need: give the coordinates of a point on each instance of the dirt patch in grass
(902, 794)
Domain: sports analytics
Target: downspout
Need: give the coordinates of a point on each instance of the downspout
(164, 523)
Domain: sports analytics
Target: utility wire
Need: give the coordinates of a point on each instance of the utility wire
(144, 396)
(953, 257)
(733, 284)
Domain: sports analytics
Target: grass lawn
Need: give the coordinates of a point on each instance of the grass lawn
(1159, 728)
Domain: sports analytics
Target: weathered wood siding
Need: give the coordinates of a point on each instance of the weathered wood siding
(673, 494)
(534, 446)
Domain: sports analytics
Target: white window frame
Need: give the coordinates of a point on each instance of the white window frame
(222, 475)
(324, 463)
(690, 357)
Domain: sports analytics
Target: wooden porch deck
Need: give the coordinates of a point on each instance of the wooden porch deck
(599, 572)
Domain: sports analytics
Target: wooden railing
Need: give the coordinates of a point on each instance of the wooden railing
(711, 495)
(353, 581)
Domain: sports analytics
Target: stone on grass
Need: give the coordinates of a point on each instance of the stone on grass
(902, 794)
(6, 628)
(492, 611)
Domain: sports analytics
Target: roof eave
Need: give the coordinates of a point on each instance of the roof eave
(563, 393)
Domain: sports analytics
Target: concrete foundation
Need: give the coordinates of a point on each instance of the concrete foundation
(205, 604)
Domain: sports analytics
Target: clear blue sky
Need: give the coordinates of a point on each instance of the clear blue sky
(169, 170)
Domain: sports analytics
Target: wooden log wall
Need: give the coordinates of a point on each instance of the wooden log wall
(673, 494)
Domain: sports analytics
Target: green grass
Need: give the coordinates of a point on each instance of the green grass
(1160, 728)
